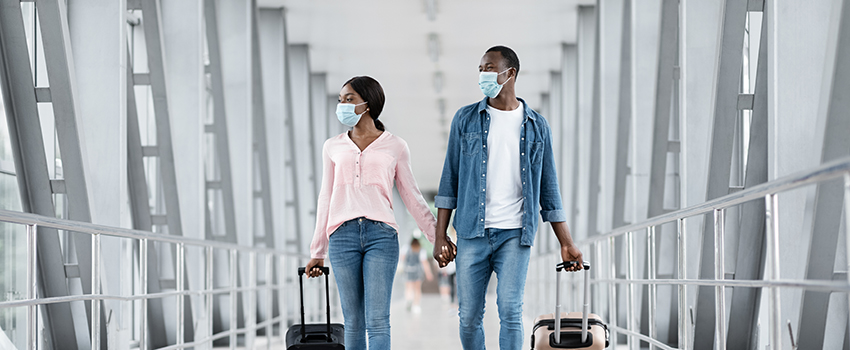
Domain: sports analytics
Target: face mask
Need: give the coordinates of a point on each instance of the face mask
(489, 85)
(345, 113)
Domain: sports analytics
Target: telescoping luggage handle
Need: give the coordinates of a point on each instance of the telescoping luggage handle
(584, 312)
(325, 271)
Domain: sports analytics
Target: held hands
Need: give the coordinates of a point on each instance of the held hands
(444, 251)
(313, 267)
(571, 253)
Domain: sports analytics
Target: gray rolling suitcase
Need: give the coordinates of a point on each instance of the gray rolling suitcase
(573, 330)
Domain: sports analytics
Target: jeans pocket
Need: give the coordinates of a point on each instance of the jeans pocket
(386, 227)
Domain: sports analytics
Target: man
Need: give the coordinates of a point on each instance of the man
(499, 167)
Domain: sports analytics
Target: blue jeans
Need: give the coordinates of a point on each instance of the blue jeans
(477, 258)
(364, 255)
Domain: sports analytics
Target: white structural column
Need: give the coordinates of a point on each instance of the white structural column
(235, 39)
(305, 158)
(586, 50)
(833, 127)
(183, 37)
(569, 105)
(101, 82)
(611, 23)
(27, 141)
(319, 111)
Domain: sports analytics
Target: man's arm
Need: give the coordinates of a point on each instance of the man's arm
(569, 251)
(444, 250)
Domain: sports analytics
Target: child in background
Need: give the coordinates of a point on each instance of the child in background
(415, 265)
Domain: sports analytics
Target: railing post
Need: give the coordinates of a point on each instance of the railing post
(208, 286)
(143, 277)
(634, 344)
(233, 300)
(719, 275)
(95, 291)
(32, 286)
(652, 288)
(251, 322)
(682, 274)
(847, 224)
(612, 290)
(771, 214)
(269, 299)
(181, 314)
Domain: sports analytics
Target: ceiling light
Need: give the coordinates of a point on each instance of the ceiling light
(433, 47)
(431, 9)
(438, 82)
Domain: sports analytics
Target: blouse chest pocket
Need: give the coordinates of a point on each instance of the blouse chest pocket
(471, 143)
(376, 168)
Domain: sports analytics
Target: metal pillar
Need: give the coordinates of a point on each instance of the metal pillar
(300, 134)
(586, 60)
(666, 80)
(743, 315)
(833, 127)
(569, 126)
(725, 113)
(595, 133)
(142, 216)
(262, 190)
(33, 177)
(220, 183)
(624, 117)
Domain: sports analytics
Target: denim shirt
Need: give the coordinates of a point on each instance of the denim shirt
(463, 182)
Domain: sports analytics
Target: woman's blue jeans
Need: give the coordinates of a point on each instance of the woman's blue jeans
(364, 256)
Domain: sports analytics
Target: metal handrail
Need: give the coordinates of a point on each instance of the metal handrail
(272, 256)
(593, 247)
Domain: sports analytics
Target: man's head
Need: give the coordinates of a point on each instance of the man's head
(502, 61)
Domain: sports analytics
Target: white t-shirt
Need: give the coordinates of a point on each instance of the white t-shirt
(504, 181)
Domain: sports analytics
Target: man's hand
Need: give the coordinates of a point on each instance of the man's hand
(570, 252)
(444, 250)
(313, 269)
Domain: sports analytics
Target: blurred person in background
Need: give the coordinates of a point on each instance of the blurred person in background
(415, 266)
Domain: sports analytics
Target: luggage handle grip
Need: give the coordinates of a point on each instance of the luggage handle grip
(326, 271)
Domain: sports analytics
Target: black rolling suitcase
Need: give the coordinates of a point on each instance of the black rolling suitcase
(315, 336)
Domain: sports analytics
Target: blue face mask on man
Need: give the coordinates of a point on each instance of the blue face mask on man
(346, 115)
(489, 85)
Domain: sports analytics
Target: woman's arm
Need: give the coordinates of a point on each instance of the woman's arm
(319, 245)
(412, 197)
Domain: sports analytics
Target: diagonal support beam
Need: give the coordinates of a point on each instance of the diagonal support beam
(140, 208)
(834, 126)
(720, 155)
(32, 172)
(624, 118)
(743, 315)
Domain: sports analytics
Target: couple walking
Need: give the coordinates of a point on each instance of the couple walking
(499, 171)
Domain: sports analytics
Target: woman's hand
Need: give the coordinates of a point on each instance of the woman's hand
(313, 269)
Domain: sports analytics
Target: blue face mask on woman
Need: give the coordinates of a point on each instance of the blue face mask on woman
(346, 115)
(489, 85)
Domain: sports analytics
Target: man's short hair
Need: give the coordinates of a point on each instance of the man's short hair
(508, 55)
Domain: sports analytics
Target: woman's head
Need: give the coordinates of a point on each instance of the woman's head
(368, 90)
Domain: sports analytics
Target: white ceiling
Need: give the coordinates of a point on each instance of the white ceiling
(388, 40)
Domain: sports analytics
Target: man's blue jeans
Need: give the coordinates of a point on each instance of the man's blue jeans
(477, 258)
(364, 255)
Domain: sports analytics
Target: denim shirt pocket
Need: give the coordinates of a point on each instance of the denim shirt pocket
(471, 143)
(536, 152)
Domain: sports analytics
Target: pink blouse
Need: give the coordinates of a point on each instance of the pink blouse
(359, 184)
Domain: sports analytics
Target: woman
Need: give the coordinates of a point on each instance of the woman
(355, 225)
